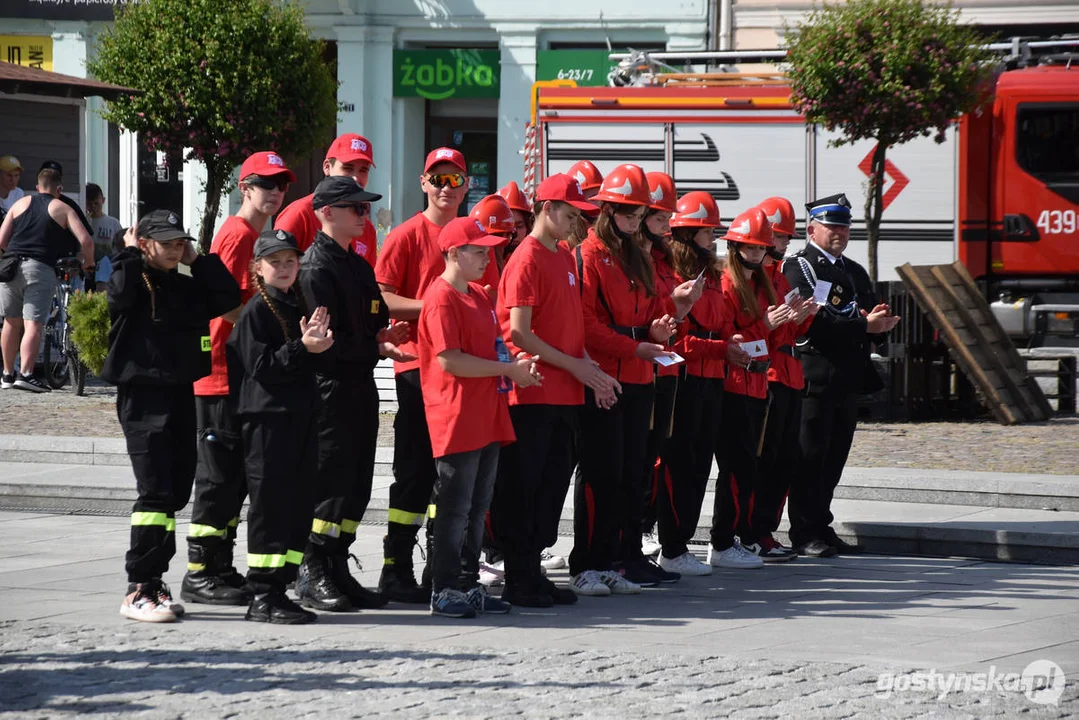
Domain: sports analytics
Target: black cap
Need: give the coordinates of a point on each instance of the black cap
(270, 241)
(831, 210)
(162, 225)
(52, 165)
(340, 189)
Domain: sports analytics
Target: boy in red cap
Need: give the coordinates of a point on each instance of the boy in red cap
(409, 262)
(220, 482)
(350, 155)
(463, 361)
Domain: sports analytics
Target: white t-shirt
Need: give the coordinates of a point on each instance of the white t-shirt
(12, 197)
(105, 229)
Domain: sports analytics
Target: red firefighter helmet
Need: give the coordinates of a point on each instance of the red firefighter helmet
(780, 213)
(515, 197)
(495, 215)
(751, 228)
(661, 193)
(696, 209)
(625, 185)
(587, 174)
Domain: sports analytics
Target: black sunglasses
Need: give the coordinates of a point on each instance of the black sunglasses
(360, 208)
(267, 183)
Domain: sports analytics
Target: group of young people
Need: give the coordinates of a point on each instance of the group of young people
(592, 326)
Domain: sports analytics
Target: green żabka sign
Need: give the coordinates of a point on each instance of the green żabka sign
(442, 74)
(585, 67)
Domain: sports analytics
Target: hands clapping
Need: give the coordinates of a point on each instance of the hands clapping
(317, 335)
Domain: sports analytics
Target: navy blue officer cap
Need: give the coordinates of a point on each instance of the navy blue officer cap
(831, 210)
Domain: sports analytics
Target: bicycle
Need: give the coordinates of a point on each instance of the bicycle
(61, 358)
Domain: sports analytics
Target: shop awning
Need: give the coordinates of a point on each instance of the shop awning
(32, 81)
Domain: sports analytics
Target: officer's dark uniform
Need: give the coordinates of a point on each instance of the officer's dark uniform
(345, 284)
(837, 369)
(272, 377)
(159, 344)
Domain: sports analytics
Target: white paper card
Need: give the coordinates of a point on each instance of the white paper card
(820, 292)
(666, 361)
(755, 349)
(792, 296)
(700, 278)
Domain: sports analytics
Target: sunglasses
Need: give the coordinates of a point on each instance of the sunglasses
(360, 208)
(439, 180)
(267, 183)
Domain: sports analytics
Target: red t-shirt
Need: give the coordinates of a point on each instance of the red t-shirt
(463, 413)
(545, 281)
(235, 245)
(299, 219)
(410, 261)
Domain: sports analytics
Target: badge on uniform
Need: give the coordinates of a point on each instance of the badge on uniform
(836, 299)
(206, 343)
(374, 307)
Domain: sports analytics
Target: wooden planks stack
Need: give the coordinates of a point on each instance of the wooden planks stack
(977, 342)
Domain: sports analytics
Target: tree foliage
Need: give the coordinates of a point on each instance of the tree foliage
(885, 70)
(222, 79)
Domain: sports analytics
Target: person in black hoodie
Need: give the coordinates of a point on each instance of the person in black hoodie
(159, 344)
(270, 358)
(334, 276)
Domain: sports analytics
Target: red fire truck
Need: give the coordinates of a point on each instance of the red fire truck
(1000, 194)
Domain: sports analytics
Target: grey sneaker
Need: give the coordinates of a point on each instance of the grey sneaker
(483, 603)
(452, 604)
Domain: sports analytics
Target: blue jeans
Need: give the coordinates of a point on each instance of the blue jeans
(464, 487)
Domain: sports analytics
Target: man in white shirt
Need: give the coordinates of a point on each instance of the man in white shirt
(107, 231)
(10, 192)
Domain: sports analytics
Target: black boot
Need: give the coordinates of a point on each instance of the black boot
(204, 585)
(360, 597)
(397, 581)
(225, 569)
(316, 588)
(277, 609)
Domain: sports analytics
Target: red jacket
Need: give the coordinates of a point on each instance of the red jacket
(739, 380)
(623, 304)
(666, 281)
(785, 368)
(706, 357)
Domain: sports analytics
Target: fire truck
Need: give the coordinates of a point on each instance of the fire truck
(1001, 193)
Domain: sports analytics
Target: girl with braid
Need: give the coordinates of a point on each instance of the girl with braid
(159, 344)
(271, 362)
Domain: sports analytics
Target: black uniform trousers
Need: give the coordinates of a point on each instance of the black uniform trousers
(280, 454)
(609, 486)
(220, 485)
(414, 472)
(736, 455)
(656, 463)
(688, 456)
(827, 431)
(347, 437)
(780, 461)
(159, 425)
(533, 479)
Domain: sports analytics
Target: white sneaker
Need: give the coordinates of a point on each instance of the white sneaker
(735, 557)
(685, 564)
(144, 605)
(650, 544)
(589, 583)
(618, 584)
(491, 575)
(550, 561)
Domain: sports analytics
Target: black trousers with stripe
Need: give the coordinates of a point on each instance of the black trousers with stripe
(414, 472)
(220, 485)
(780, 459)
(740, 429)
(658, 438)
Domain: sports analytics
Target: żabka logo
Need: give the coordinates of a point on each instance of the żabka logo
(441, 80)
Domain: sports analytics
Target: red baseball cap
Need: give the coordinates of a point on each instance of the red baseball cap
(445, 154)
(266, 164)
(467, 231)
(351, 147)
(567, 189)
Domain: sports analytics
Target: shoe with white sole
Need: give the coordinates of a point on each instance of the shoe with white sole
(735, 557)
(143, 604)
(618, 584)
(550, 561)
(589, 583)
(7, 381)
(771, 550)
(685, 564)
(650, 544)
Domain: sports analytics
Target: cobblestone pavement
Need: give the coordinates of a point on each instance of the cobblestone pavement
(975, 446)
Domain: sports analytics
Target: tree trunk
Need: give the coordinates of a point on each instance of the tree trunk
(217, 173)
(874, 206)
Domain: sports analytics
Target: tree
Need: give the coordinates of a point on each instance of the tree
(885, 70)
(219, 79)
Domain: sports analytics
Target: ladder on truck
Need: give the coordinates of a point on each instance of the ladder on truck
(976, 341)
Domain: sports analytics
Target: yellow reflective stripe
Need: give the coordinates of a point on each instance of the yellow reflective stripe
(197, 530)
(259, 560)
(387, 561)
(234, 522)
(403, 517)
(431, 511)
(294, 557)
(170, 525)
(349, 526)
(196, 567)
(152, 518)
(325, 527)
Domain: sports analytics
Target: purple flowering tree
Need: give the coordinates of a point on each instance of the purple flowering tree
(885, 70)
(220, 79)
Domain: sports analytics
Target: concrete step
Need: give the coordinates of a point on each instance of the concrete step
(889, 527)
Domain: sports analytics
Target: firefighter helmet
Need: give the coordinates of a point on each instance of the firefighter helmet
(495, 215)
(696, 209)
(515, 197)
(587, 174)
(751, 228)
(661, 193)
(780, 213)
(625, 185)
